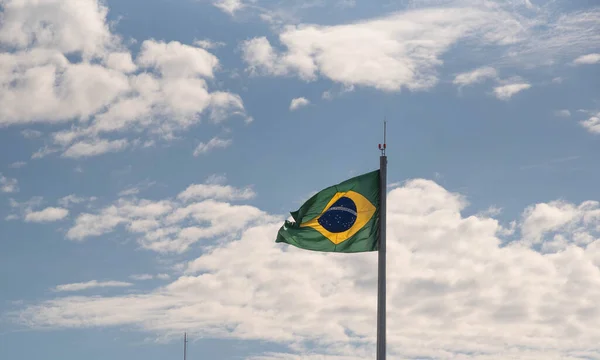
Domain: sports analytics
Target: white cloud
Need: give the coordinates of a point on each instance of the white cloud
(298, 103)
(465, 293)
(214, 143)
(94, 147)
(71, 199)
(504, 89)
(220, 179)
(177, 60)
(90, 285)
(65, 26)
(563, 113)
(215, 191)
(208, 44)
(8, 185)
(229, 6)
(48, 214)
(404, 49)
(172, 226)
(592, 124)
(490, 212)
(66, 201)
(142, 277)
(558, 224)
(505, 92)
(28, 205)
(43, 152)
(388, 53)
(130, 191)
(330, 94)
(475, 76)
(159, 93)
(587, 59)
(400, 50)
(120, 61)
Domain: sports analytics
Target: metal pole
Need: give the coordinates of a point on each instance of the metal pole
(184, 346)
(381, 264)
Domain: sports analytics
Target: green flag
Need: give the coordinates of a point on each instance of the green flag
(341, 218)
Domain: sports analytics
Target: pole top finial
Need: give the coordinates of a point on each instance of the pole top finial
(382, 147)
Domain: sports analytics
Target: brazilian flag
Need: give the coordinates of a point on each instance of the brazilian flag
(341, 218)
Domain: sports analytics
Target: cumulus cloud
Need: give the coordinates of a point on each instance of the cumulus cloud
(298, 103)
(107, 95)
(587, 59)
(173, 225)
(214, 143)
(49, 214)
(32, 211)
(465, 290)
(90, 285)
(592, 124)
(8, 185)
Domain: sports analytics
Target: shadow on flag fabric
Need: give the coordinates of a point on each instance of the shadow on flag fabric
(341, 218)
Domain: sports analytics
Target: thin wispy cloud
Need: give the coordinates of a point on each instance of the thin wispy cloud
(90, 285)
(8, 185)
(209, 44)
(562, 113)
(214, 143)
(475, 76)
(555, 163)
(18, 164)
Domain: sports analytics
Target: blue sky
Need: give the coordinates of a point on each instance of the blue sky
(149, 151)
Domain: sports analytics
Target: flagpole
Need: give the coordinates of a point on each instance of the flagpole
(381, 263)
(185, 346)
